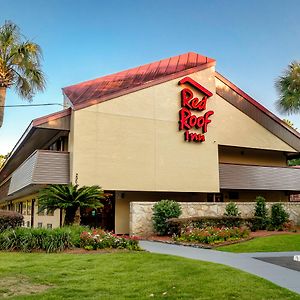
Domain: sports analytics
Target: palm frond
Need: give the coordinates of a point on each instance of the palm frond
(288, 88)
(20, 62)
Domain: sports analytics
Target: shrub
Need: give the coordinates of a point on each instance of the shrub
(29, 239)
(75, 232)
(179, 224)
(278, 216)
(213, 235)
(261, 211)
(231, 210)
(100, 239)
(162, 211)
(10, 219)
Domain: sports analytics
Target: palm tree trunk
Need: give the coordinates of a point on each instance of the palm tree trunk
(77, 218)
(2, 103)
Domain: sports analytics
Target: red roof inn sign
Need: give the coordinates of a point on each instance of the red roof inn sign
(187, 120)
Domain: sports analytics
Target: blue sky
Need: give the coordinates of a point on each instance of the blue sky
(252, 41)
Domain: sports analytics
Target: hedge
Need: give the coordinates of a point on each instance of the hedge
(10, 219)
(177, 224)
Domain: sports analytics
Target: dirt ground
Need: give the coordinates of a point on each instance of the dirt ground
(19, 286)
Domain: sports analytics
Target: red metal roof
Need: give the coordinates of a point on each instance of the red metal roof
(111, 86)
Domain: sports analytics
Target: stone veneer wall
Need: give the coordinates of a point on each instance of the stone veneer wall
(141, 213)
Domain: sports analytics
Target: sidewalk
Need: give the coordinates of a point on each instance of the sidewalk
(279, 275)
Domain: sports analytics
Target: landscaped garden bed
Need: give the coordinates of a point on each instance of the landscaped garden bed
(215, 231)
(212, 235)
(62, 239)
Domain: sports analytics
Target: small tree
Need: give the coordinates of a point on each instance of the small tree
(278, 216)
(231, 210)
(162, 211)
(70, 198)
(261, 212)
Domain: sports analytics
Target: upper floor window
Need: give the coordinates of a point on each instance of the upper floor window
(59, 145)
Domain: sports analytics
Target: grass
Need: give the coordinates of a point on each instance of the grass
(275, 243)
(129, 275)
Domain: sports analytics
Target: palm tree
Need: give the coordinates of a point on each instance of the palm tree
(19, 65)
(288, 87)
(289, 122)
(70, 198)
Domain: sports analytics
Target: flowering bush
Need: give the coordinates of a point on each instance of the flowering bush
(212, 235)
(100, 239)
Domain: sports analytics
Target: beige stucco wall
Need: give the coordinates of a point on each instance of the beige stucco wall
(141, 213)
(132, 142)
(44, 219)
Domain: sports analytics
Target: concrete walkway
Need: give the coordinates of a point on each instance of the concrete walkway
(281, 276)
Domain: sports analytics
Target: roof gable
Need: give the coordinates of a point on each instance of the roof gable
(104, 88)
(242, 101)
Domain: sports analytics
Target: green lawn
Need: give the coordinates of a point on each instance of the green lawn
(275, 243)
(137, 275)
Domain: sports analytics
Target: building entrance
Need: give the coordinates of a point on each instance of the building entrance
(102, 217)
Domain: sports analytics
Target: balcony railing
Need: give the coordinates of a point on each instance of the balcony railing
(248, 177)
(41, 167)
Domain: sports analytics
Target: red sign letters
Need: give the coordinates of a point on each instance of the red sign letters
(189, 103)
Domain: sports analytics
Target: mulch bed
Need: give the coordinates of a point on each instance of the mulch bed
(169, 240)
(98, 251)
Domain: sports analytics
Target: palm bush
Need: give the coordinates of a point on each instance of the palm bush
(288, 88)
(70, 198)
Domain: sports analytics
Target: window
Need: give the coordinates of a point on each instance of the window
(50, 213)
(233, 195)
(49, 226)
(59, 145)
(42, 213)
(28, 223)
(19, 207)
(210, 197)
(40, 225)
(215, 197)
(28, 208)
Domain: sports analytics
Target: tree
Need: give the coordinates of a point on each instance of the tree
(288, 87)
(261, 212)
(70, 198)
(290, 123)
(19, 65)
(3, 158)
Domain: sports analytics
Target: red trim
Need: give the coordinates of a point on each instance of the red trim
(51, 117)
(256, 104)
(196, 85)
(143, 86)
